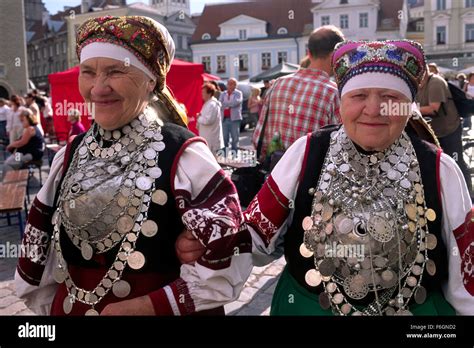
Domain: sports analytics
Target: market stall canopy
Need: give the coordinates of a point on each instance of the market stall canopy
(209, 77)
(277, 71)
(467, 70)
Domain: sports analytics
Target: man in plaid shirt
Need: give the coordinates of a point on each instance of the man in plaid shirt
(303, 102)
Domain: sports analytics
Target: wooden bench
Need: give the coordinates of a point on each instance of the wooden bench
(12, 202)
(16, 176)
(21, 177)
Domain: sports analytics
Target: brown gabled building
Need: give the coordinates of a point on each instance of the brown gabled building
(242, 39)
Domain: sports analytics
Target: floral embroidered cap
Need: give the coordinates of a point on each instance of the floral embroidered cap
(142, 42)
(145, 38)
(398, 65)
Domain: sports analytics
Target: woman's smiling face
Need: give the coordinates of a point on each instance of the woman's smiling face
(374, 117)
(118, 92)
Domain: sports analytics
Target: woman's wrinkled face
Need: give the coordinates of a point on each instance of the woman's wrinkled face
(374, 117)
(118, 92)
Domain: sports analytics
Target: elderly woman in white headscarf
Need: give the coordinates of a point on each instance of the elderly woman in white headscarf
(104, 226)
(372, 217)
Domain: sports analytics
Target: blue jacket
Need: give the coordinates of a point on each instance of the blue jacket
(234, 102)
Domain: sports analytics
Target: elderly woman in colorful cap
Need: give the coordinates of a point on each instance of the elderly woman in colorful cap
(105, 224)
(373, 219)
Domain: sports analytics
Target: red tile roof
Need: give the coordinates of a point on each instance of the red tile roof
(275, 12)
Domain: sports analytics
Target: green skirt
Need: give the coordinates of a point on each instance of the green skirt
(290, 298)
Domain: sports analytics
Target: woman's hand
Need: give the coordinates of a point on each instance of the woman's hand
(135, 306)
(188, 248)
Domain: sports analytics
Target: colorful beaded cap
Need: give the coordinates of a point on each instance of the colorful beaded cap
(139, 35)
(402, 58)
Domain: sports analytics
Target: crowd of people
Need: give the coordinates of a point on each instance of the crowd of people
(138, 218)
(25, 123)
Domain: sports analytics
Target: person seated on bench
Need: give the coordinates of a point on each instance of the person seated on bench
(29, 147)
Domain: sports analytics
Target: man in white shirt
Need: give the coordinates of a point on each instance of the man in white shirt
(4, 111)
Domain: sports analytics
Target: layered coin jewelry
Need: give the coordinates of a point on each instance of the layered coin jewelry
(368, 231)
(104, 202)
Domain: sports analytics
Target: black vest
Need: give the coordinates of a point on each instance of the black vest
(159, 250)
(318, 147)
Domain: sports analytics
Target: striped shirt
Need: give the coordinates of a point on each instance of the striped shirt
(298, 104)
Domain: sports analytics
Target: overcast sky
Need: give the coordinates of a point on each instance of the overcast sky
(54, 6)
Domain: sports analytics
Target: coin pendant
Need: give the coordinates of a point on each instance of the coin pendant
(68, 303)
(124, 224)
(313, 278)
(136, 260)
(121, 289)
(159, 197)
(91, 311)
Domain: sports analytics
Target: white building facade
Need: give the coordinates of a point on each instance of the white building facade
(245, 49)
(449, 32)
(363, 19)
(245, 45)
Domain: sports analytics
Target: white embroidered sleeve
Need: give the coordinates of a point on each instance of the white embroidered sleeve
(456, 219)
(34, 275)
(270, 212)
(210, 209)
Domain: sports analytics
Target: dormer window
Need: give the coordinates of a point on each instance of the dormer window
(242, 34)
(206, 36)
(344, 2)
(282, 31)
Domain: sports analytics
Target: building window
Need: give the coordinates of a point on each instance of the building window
(420, 26)
(344, 21)
(64, 47)
(266, 60)
(57, 48)
(206, 36)
(51, 50)
(206, 61)
(282, 57)
(282, 31)
(32, 55)
(243, 62)
(344, 2)
(180, 42)
(45, 52)
(440, 35)
(440, 5)
(38, 54)
(469, 3)
(325, 20)
(363, 20)
(64, 65)
(469, 32)
(242, 34)
(221, 64)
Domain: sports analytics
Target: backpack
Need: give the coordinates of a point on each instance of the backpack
(464, 105)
